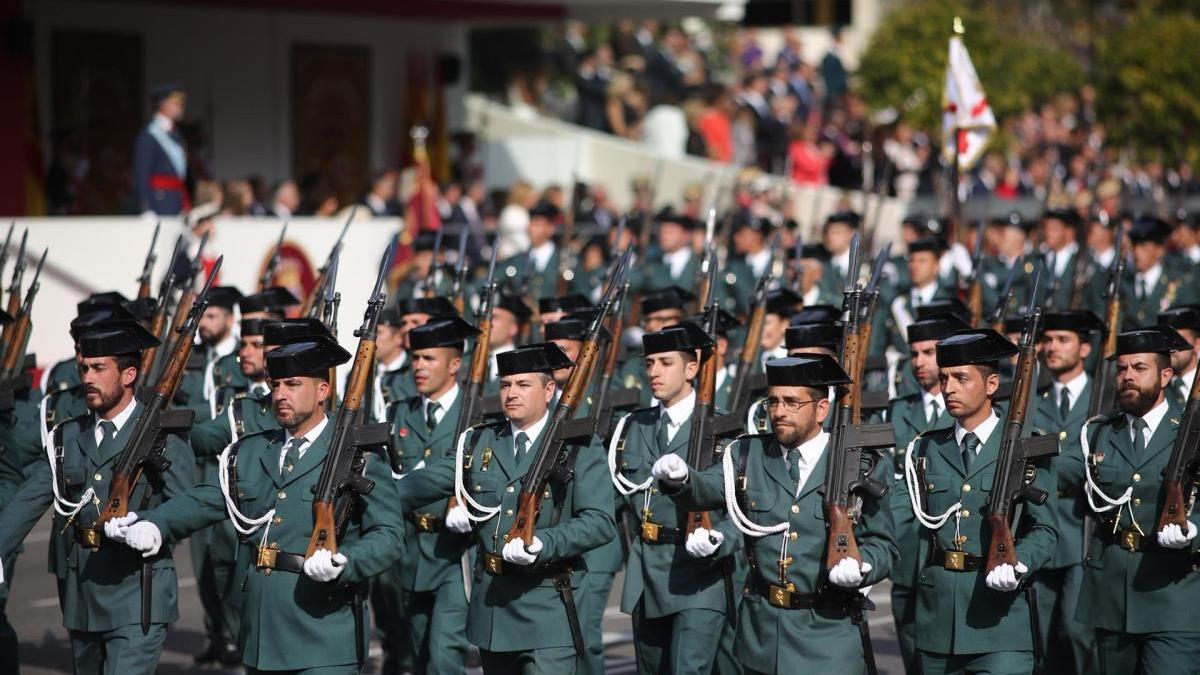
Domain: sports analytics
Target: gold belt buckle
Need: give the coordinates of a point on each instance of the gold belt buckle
(955, 561)
(494, 564)
(266, 557)
(91, 537)
(423, 523)
(650, 531)
(779, 596)
(1131, 540)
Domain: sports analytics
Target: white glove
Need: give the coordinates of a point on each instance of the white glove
(670, 469)
(515, 551)
(457, 520)
(1004, 577)
(702, 543)
(1172, 536)
(116, 528)
(144, 537)
(324, 566)
(848, 573)
(1, 571)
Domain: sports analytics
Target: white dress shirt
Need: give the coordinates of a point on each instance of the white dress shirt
(678, 414)
(676, 261)
(1153, 419)
(1075, 387)
(927, 401)
(810, 453)
(305, 442)
(759, 262)
(983, 432)
(532, 432)
(1149, 277)
(1062, 257)
(924, 295)
(120, 420)
(444, 403)
(541, 255)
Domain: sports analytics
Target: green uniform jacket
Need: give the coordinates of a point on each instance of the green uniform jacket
(1136, 592)
(1092, 295)
(956, 612)
(1067, 498)
(66, 391)
(255, 413)
(522, 277)
(771, 639)
(518, 613)
(907, 415)
(100, 588)
(631, 374)
(735, 286)
(227, 375)
(891, 320)
(1172, 288)
(290, 621)
(657, 274)
(430, 558)
(664, 576)
(190, 393)
(63, 375)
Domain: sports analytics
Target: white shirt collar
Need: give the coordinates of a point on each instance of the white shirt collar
(395, 364)
(1153, 419)
(759, 261)
(1187, 379)
(983, 432)
(1104, 258)
(927, 398)
(307, 441)
(810, 453)
(812, 295)
(120, 419)
(163, 122)
(1075, 386)
(532, 432)
(680, 412)
(677, 260)
(1151, 277)
(841, 261)
(444, 402)
(541, 255)
(926, 292)
(1063, 256)
(225, 347)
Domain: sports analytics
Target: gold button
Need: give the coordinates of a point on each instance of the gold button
(1062, 435)
(795, 508)
(97, 476)
(966, 487)
(965, 513)
(509, 488)
(277, 520)
(508, 512)
(282, 494)
(1137, 502)
(479, 488)
(929, 486)
(653, 491)
(1137, 477)
(792, 536)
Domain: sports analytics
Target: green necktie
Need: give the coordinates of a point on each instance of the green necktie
(794, 467)
(430, 415)
(969, 443)
(291, 456)
(1140, 429)
(1142, 290)
(1064, 404)
(522, 444)
(661, 435)
(108, 435)
(935, 412)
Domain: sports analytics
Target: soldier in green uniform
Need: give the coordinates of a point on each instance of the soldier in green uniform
(969, 620)
(534, 273)
(100, 584)
(1140, 588)
(659, 309)
(726, 373)
(675, 584)
(813, 335)
(427, 587)
(837, 235)
(303, 613)
(61, 384)
(676, 263)
(793, 610)
(910, 416)
(20, 449)
(750, 260)
(417, 283)
(509, 315)
(781, 305)
(892, 320)
(1185, 319)
(227, 377)
(1063, 257)
(521, 613)
(1061, 409)
(812, 270)
(217, 339)
(1151, 288)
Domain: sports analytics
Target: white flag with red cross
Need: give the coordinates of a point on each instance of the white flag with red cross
(967, 120)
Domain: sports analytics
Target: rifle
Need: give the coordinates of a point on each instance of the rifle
(703, 278)
(158, 323)
(996, 319)
(184, 309)
(14, 296)
(430, 282)
(606, 400)
(342, 473)
(268, 276)
(148, 265)
(1183, 468)
(12, 372)
(739, 397)
(147, 442)
(4, 261)
(845, 479)
(464, 268)
(700, 442)
(865, 323)
(328, 309)
(1082, 268)
(1052, 290)
(1009, 486)
(1105, 375)
(798, 264)
(974, 284)
(550, 460)
(319, 287)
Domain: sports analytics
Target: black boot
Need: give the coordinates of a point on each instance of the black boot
(211, 653)
(230, 655)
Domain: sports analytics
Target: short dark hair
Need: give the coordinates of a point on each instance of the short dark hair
(987, 369)
(129, 360)
(1162, 361)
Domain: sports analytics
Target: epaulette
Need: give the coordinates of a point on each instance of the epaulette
(261, 432)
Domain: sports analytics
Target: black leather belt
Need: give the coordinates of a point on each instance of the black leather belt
(956, 561)
(1131, 540)
(653, 533)
(426, 522)
(497, 566)
(835, 601)
(274, 559)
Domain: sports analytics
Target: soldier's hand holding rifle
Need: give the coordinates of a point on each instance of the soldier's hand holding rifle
(670, 469)
(517, 553)
(457, 520)
(1004, 577)
(1172, 536)
(324, 566)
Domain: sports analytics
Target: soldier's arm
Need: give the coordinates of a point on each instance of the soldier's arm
(426, 485)
(25, 508)
(189, 506)
(703, 490)
(382, 540)
(209, 437)
(876, 528)
(591, 523)
(1037, 533)
(733, 542)
(181, 475)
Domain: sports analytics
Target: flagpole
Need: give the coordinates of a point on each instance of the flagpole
(956, 205)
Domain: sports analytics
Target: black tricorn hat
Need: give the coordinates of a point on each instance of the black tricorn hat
(782, 302)
(1181, 317)
(932, 244)
(847, 217)
(976, 346)
(544, 209)
(254, 326)
(225, 297)
(671, 297)
(293, 330)
(435, 307)
(1014, 323)
(1159, 339)
(142, 308)
(96, 300)
(273, 299)
(725, 321)
(308, 357)
(1150, 228)
(747, 221)
(806, 335)
(451, 332)
(91, 318)
(682, 337)
(564, 303)
(951, 307)
(510, 302)
(543, 357)
(566, 329)
(1068, 217)
(814, 252)
(808, 370)
(935, 329)
(816, 314)
(670, 215)
(1081, 321)
(115, 337)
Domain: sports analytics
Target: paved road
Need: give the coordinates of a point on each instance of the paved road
(33, 609)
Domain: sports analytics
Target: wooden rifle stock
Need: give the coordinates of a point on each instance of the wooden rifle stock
(841, 540)
(975, 302)
(1182, 466)
(1001, 549)
(706, 387)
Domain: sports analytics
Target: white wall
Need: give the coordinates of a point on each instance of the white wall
(235, 64)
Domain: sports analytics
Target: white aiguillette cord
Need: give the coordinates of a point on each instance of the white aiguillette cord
(740, 520)
(623, 484)
(914, 492)
(460, 491)
(62, 506)
(1090, 488)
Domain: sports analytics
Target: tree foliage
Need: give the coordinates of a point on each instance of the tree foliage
(904, 64)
